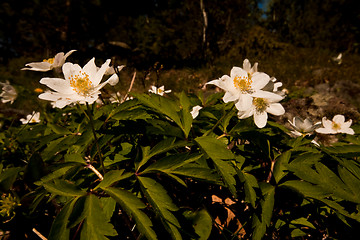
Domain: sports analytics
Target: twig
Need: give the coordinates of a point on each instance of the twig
(131, 85)
(91, 167)
(39, 234)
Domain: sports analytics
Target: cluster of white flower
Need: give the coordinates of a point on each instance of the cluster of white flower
(80, 85)
(254, 93)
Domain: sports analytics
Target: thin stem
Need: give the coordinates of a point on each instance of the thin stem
(131, 85)
(271, 171)
(219, 121)
(89, 115)
(97, 173)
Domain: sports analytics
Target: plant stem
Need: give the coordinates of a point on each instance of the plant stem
(89, 115)
(219, 121)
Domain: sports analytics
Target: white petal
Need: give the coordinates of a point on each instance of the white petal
(100, 73)
(275, 109)
(339, 119)
(70, 69)
(325, 131)
(346, 124)
(68, 53)
(236, 71)
(347, 131)
(91, 70)
(260, 119)
(59, 60)
(113, 80)
(247, 65)
(228, 97)
(270, 96)
(57, 84)
(244, 103)
(246, 114)
(259, 80)
(38, 66)
(327, 123)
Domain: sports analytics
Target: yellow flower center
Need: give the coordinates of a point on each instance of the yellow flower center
(243, 83)
(50, 60)
(335, 126)
(81, 83)
(260, 104)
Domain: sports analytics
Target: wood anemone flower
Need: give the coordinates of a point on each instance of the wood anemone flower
(81, 85)
(49, 64)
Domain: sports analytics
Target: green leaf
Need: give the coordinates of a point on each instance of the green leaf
(163, 205)
(250, 183)
(344, 149)
(303, 221)
(58, 129)
(201, 221)
(162, 147)
(161, 105)
(59, 229)
(55, 174)
(280, 166)
(218, 152)
(63, 188)
(186, 117)
(112, 177)
(96, 225)
(134, 114)
(8, 177)
(262, 221)
(132, 205)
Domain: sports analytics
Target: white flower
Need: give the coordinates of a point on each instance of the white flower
(160, 91)
(31, 118)
(49, 64)
(262, 104)
(337, 125)
(111, 70)
(81, 85)
(195, 111)
(8, 93)
(302, 127)
(241, 85)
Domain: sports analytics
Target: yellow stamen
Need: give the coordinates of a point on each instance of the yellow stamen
(335, 126)
(260, 104)
(50, 60)
(81, 83)
(243, 83)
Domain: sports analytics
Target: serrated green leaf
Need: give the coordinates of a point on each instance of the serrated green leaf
(344, 149)
(63, 188)
(59, 229)
(280, 166)
(250, 183)
(262, 221)
(163, 205)
(163, 146)
(132, 205)
(218, 152)
(55, 174)
(96, 225)
(112, 177)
